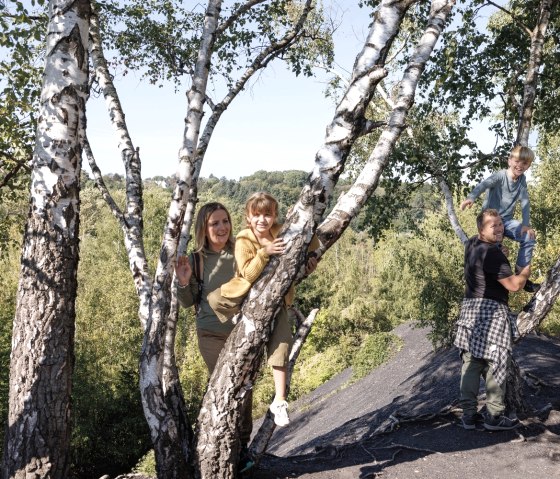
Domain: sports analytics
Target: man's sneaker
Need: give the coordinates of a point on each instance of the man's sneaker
(469, 421)
(500, 423)
(531, 287)
(279, 410)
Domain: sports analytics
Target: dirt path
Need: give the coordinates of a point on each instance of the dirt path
(335, 431)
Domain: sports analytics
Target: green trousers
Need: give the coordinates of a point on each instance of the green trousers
(473, 369)
(210, 345)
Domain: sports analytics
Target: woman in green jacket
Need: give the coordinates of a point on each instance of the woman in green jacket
(211, 265)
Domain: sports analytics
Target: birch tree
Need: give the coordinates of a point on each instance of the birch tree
(38, 436)
(160, 389)
(236, 367)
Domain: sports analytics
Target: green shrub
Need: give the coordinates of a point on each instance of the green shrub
(146, 465)
(375, 350)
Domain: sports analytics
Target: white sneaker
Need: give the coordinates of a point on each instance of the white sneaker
(279, 410)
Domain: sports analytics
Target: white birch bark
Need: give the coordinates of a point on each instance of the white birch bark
(448, 197)
(532, 76)
(157, 394)
(132, 220)
(350, 203)
(42, 359)
(541, 303)
(217, 446)
(170, 411)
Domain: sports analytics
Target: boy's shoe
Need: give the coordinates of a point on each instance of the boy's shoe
(246, 461)
(279, 410)
(470, 421)
(531, 287)
(500, 423)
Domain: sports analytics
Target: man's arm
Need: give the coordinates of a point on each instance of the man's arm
(516, 282)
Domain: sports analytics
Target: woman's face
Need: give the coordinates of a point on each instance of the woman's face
(218, 229)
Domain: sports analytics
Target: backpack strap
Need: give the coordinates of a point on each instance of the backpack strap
(197, 260)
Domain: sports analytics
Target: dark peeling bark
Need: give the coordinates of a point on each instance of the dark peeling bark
(38, 434)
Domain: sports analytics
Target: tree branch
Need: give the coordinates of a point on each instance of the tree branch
(235, 15)
(513, 17)
(451, 210)
(370, 125)
(263, 435)
(133, 214)
(531, 79)
(350, 203)
(19, 164)
(97, 176)
(260, 62)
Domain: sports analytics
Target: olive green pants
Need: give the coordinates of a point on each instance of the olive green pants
(281, 338)
(210, 345)
(473, 369)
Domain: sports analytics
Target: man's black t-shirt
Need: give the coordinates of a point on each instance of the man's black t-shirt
(485, 264)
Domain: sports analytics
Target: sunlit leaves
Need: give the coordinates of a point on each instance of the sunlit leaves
(479, 70)
(161, 38)
(20, 76)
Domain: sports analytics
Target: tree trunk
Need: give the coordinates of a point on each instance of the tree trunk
(159, 400)
(38, 435)
(541, 303)
(531, 79)
(235, 371)
(349, 204)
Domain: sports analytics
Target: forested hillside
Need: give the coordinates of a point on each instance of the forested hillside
(362, 287)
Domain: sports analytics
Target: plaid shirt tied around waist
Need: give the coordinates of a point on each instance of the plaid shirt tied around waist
(487, 329)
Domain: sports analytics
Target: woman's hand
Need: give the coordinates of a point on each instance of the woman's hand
(275, 247)
(183, 271)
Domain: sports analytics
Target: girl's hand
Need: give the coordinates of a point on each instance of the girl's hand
(275, 247)
(466, 204)
(183, 270)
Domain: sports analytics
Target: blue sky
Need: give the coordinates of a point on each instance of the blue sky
(276, 124)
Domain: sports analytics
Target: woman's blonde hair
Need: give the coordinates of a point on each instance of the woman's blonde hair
(202, 218)
(261, 202)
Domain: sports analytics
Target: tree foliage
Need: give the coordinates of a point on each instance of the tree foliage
(161, 39)
(22, 30)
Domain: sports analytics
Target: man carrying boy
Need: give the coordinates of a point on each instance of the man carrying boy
(505, 189)
(486, 328)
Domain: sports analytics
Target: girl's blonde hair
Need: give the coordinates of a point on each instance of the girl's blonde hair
(261, 202)
(202, 218)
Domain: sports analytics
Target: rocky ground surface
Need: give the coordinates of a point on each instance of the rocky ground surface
(401, 422)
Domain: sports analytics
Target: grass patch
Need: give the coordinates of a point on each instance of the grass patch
(375, 350)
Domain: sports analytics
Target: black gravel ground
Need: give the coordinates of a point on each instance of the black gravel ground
(336, 432)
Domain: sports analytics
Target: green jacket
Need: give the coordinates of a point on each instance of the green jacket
(218, 268)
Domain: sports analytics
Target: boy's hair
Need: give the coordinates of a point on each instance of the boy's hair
(522, 153)
(202, 218)
(261, 202)
(487, 212)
